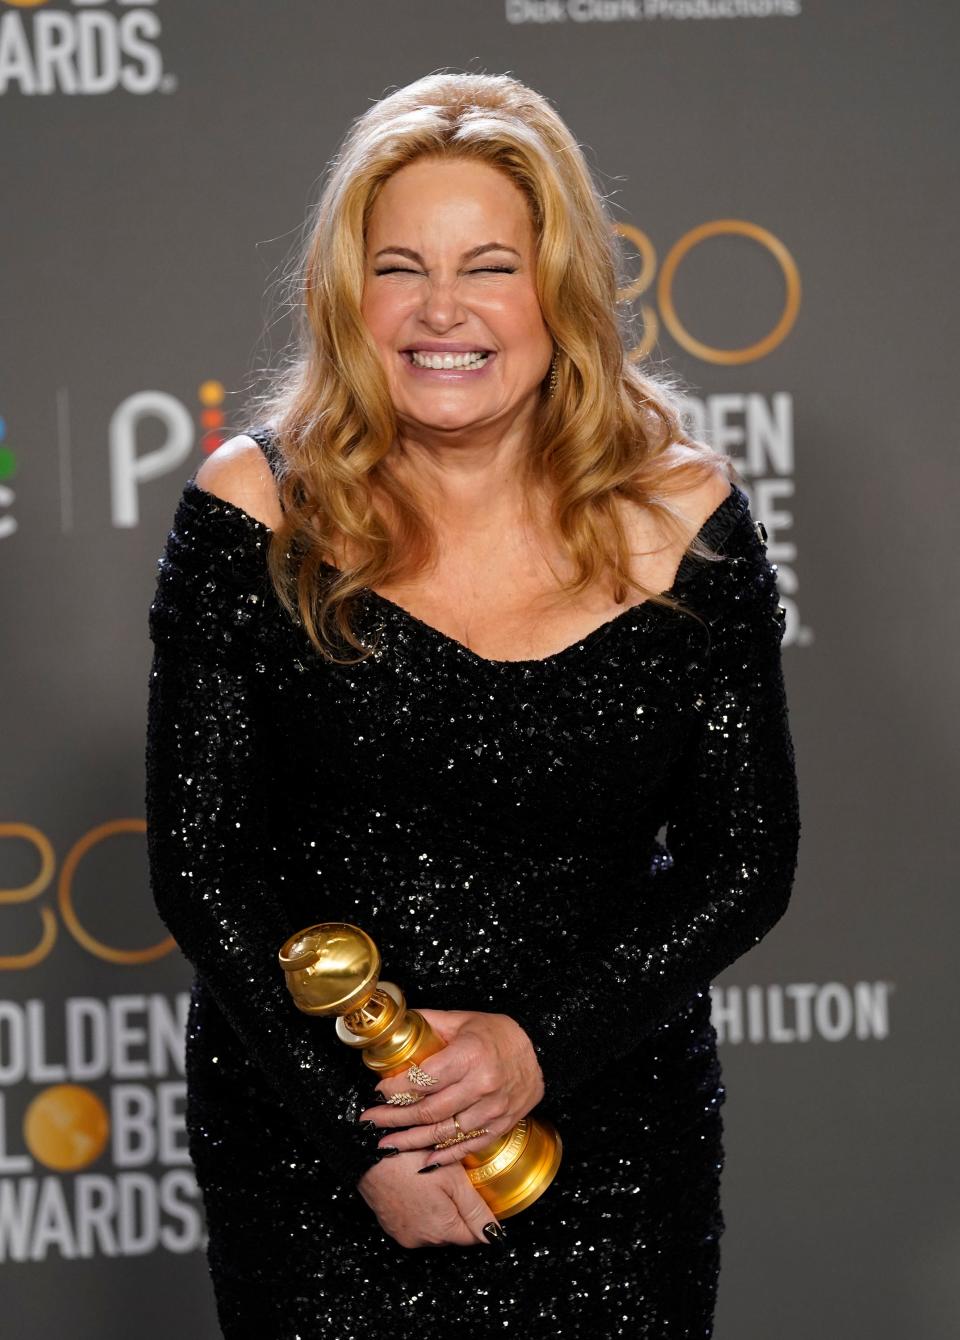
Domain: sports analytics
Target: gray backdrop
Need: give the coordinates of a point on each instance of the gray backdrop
(158, 159)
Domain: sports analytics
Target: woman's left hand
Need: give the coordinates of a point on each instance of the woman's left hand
(487, 1075)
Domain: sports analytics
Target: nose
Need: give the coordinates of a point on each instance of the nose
(441, 307)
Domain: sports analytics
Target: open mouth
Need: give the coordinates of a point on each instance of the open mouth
(466, 362)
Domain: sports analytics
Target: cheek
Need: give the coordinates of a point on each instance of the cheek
(381, 316)
(522, 318)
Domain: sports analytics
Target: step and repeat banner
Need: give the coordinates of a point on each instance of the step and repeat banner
(782, 177)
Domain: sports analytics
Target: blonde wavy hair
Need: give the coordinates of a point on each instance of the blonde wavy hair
(603, 436)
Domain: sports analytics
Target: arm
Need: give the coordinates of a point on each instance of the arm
(733, 837)
(207, 849)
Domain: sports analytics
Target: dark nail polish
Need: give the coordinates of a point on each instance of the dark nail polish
(369, 1126)
(430, 1167)
(380, 1097)
(385, 1151)
(495, 1232)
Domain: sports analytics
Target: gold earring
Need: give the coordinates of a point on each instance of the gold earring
(554, 365)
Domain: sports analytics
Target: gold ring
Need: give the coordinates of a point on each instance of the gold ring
(453, 1139)
(461, 1135)
(420, 1077)
(404, 1099)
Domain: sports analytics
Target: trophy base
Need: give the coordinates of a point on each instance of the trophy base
(520, 1172)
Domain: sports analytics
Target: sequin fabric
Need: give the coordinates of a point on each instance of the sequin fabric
(582, 842)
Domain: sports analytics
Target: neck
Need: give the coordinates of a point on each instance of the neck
(470, 484)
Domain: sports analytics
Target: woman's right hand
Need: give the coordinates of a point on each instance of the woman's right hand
(440, 1208)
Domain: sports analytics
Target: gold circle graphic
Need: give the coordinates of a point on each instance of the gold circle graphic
(722, 228)
(638, 286)
(66, 1127)
(68, 912)
(648, 261)
(48, 921)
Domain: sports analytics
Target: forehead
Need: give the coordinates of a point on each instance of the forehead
(449, 201)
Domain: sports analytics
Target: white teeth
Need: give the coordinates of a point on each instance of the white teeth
(475, 359)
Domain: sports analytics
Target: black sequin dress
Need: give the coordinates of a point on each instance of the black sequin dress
(494, 826)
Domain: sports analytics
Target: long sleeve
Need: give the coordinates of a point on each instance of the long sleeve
(733, 836)
(208, 850)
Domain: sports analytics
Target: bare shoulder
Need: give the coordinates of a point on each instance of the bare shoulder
(238, 472)
(697, 502)
(693, 503)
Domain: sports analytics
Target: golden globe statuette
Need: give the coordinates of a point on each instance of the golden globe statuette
(333, 968)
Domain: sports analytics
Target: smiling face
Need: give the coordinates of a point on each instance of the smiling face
(449, 297)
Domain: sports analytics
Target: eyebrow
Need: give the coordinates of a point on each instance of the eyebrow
(467, 255)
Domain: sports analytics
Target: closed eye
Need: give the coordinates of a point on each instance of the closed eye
(492, 269)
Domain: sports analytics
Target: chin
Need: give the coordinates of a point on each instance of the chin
(448, 425)
(441, 421)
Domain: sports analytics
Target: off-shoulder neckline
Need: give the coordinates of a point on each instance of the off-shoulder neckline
(714, 529)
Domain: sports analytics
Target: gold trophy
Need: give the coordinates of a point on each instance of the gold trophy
(333, 969)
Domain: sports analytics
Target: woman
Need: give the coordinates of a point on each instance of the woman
(439, 653)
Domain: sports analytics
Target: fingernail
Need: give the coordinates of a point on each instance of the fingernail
(495, 1232)
(430, 1167)
(369, 1126)
(385, 1151)
(380, 1097)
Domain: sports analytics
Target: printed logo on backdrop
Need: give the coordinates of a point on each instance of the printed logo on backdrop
(81, 47)
(636, 11)
(8, 468)
(801, 1012)
(755, 430)
(93, 1152)
(130, 465)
